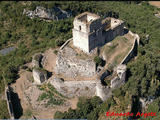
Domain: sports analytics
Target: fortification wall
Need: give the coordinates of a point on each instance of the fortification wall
(9, 102)
(95, 39)
(65, 43)
(89, 88)
(78, 24)
(80, 40)
(112, 33)
(95, 25)
(75, 88)
(69, 65)
(131, 53)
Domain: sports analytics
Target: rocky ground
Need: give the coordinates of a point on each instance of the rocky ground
(28, 92)
(44, 100)
(55, 13)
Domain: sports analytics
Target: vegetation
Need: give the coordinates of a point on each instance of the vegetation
(51, 95)
(28, 113)
(33, 35)
(86, 108)
(3, 112)
(98, 60)
(116, 51)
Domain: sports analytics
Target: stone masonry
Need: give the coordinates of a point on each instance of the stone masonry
(69, 65)
(90, 31)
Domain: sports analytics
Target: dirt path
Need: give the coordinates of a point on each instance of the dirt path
(155, 3)
(73, 102)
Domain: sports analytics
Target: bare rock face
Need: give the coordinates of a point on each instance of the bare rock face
(39, 76)
(36, 60)
(146, 101)
(32, 94)
(51, 14)
(69, 65)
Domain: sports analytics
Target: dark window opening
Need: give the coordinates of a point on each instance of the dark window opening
(79, 27)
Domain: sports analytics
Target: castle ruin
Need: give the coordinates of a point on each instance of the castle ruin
(90, 31)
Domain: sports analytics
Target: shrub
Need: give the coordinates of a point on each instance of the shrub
(4, 114)
(98, 60)
(55, 52)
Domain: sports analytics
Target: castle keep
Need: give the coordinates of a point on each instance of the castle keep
(90, 31)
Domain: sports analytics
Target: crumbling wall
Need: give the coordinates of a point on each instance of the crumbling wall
(110, 34)
(70, 66)
(102, 91)
(131, 53)
(9, 102)
(75, 88)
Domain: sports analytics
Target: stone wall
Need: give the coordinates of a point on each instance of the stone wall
(81, 88)
(87, 35)
(65, 43)
(110, 34)
(9, 102)
(103, 92)
(95, 39)
(80, 40)
(90, 87)
(131, 53)
(75, 88)
(69, 65)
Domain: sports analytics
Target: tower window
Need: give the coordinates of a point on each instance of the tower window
(79, 27)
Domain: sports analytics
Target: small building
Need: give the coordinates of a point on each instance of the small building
(90, 31)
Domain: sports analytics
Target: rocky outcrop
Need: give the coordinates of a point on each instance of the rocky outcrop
(32, 94)
(68, 64)
(36, 60)
(146, 101)
(39, 75)
(51, 14)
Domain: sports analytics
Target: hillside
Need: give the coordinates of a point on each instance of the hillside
(34, 35)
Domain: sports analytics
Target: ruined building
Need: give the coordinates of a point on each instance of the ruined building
(90, 31)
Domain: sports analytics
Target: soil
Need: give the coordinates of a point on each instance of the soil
(155, 3)
(24, 87)
(50, 59)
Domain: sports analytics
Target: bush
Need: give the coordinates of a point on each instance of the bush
(4, 114)
(86, 108)
(98, 60)
(55, 52)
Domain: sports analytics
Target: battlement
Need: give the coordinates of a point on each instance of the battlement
(90, 31)
(87, 17)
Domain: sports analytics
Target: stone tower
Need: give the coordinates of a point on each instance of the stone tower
(90, 31)
(87, 31)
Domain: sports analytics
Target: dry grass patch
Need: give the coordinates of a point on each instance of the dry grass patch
(116, 50)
